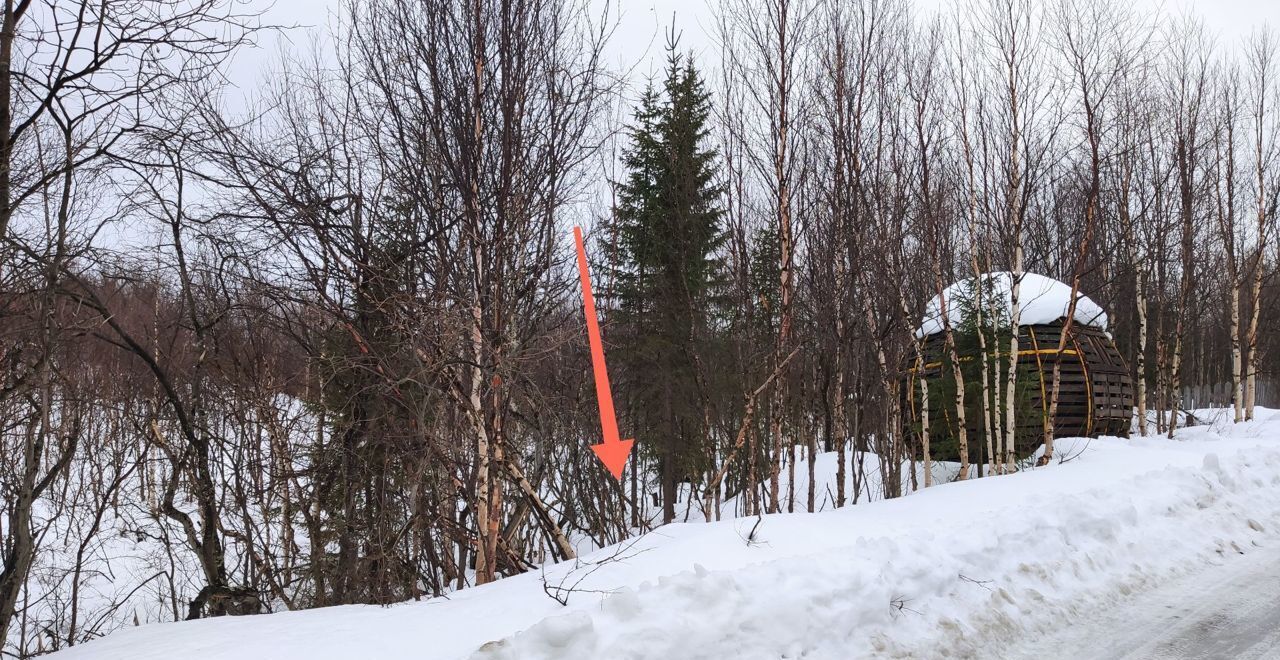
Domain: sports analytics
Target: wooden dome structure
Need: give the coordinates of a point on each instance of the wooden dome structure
(1095, 392)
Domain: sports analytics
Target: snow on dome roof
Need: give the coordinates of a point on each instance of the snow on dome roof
(1040, 300)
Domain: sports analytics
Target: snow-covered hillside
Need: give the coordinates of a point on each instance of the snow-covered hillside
(960, 569)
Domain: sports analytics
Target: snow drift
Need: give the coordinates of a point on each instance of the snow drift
(956, 570)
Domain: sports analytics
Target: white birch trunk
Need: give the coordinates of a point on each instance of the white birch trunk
(1251, 340)
(1142, 357)
(1237, 378)
(485, 563)
(924, 428)
(962, 433)
(1015, 317)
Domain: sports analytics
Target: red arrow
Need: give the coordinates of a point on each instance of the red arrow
(613, 451)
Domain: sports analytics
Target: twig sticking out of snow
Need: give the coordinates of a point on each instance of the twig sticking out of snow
(583, 570)
(750, 539)
(980, 583)
(1067, 458)
(898, 605)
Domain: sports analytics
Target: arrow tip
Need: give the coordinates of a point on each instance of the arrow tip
(613, 455)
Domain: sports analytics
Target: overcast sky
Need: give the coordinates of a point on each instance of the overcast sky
(637, 43)
(638, 40)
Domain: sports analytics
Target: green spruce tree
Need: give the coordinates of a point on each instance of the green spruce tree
(668, 233)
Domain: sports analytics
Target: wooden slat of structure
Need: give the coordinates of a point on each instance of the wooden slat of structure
(1095, 389)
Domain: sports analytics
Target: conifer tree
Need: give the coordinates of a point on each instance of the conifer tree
(668, 234)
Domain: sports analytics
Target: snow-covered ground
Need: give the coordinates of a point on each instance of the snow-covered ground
(963, 570)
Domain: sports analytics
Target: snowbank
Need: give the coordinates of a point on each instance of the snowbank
(1040, 300)
(959, 570)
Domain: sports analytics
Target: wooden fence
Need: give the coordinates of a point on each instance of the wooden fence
(1219, 395)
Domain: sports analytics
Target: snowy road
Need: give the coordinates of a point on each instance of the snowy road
(1230, 611)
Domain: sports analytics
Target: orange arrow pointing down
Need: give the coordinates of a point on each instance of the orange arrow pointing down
(613, 451)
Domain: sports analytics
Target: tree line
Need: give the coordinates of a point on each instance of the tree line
(327, 347)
